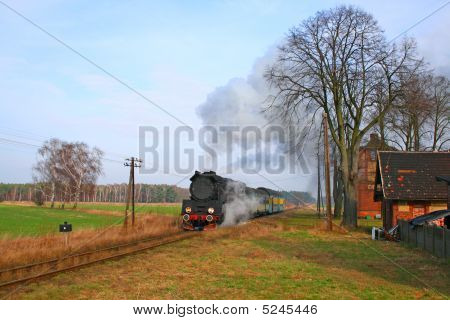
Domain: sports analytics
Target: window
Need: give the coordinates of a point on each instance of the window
(403, 206)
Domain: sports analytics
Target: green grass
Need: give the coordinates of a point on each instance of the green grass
(288, 258)
(173, 210)
(32, 221)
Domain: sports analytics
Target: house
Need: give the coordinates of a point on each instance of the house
(406, 184)
(367, 164)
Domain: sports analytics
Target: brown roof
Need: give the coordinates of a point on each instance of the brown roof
(412, 175)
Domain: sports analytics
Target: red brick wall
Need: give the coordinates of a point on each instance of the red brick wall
(406, 210)
(366, 175)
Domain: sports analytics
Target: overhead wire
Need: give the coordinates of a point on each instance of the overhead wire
(91, 62)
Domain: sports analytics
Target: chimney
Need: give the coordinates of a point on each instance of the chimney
(374, 138)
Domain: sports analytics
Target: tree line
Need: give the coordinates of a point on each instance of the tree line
(144, 193)
(66, 172)
(340, 62)
(298, 198)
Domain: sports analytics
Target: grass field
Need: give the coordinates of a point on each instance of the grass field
(32, 221)
(29, 220)
(164, 209)
(287, 256)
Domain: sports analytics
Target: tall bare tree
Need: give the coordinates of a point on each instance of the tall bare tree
(420, 119)
(336, 61)
(406, 122)
(66, 168)
(80, 165)
(45, 173)
(338, 187)
(440, 113)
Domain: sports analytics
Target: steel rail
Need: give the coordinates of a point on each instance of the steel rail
(53, 263)
(80, 254)
(160, 241)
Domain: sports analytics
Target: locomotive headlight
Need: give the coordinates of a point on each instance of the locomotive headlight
(188, 210)
(211, 210)
(186, 217)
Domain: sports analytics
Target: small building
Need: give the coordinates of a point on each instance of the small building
(367, 165)
(406, 185)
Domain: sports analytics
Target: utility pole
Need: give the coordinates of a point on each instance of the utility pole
(319, 187)
(327, 171)
(132, 163)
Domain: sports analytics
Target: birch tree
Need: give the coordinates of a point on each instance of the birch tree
(80, 166)
(45, 173)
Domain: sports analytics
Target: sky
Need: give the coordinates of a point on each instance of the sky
(174, 52)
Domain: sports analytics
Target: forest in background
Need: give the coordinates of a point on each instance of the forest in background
(145, 193)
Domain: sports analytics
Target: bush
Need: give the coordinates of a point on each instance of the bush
(39, 198)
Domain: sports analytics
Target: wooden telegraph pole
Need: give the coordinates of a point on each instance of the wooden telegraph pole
(327, 171)
(132, 163)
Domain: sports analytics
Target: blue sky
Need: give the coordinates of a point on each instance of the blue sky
(175, 52)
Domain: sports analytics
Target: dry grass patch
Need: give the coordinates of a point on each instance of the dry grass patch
(279, 257)
(25, 250)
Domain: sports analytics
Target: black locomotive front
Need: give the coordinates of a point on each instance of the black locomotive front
(204, 208)
(211, 195)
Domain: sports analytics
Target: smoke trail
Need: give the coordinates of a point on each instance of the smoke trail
(240, 101)
(240, 206)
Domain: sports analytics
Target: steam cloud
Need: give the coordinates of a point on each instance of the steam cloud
(240, 101)
(239, 207)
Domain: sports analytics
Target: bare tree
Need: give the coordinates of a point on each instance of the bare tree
(420, 118)
(440, 113)
(45, 172)
(338, 187)
(406, 122)
(336, 61)
(65, 168)
(80, 166)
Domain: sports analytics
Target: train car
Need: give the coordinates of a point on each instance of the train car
(210, 194)
(275, 202)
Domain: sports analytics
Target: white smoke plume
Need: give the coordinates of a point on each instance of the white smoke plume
(239, 207)
(241, 102)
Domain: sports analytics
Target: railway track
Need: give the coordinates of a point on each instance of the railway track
(35, 271)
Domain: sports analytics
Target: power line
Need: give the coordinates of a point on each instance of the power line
(96, 65)
(122, 156)
(22, 131)
(420, 21)
(10, 141)
(34, 146)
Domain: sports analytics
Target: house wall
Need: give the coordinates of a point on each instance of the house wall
(366, 175)
(406, 210)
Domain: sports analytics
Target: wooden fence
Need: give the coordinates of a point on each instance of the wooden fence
(433, 239)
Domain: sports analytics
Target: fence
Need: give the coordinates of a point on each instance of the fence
(433, 239)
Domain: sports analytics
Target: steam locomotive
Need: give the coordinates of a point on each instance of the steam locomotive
(215, 200)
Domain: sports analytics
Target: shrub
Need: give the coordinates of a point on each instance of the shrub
(39, 198)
